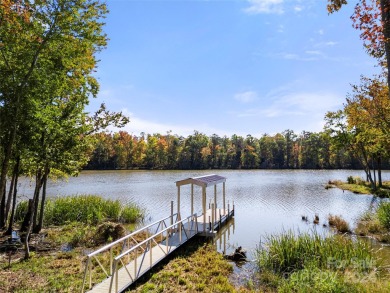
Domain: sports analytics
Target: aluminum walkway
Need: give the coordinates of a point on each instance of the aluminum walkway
(127, 259)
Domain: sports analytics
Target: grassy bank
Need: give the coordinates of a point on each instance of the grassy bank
(89, 209)
(313, 263)
(358, 185)
(376, 224)
(73, 226)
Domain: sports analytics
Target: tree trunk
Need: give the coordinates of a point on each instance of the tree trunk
(385, 8)
(37, 191)
(38, 228)
(26, 220)
(374, 170)
(2, 212)
(15, 191)
(10, 192)
(379, 161)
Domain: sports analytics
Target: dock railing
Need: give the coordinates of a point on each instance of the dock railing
(124, 243)
(183, 230)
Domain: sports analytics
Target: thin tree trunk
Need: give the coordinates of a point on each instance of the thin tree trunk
(385, 9)
(2, 212)
(28, 222)
(40, 223)
(379, 160)
(374, 170)
(15, 191)
(10, 192)
(37, 191)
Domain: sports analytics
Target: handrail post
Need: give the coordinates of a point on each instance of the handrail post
(180, 231)
(111, 261)
(90, 274)
(135, 263)
(85, 274)
(116, 277)
(212, 216)
(151, 255)
(167, 242)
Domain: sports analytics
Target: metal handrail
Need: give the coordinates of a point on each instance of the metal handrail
(104, 248)
(88, 265)
(151, 237)
(148, 241)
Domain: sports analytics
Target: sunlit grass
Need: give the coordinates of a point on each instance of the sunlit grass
(292, 262)
(89, 209)
(197, 267)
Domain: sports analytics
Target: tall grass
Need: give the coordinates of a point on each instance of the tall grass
(288, 252)
(383, 213)
(89, 209)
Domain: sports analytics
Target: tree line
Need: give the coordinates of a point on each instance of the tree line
(286, 150)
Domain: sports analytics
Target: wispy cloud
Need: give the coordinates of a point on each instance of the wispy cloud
(138, 125)
(246, 97)
(265, 6)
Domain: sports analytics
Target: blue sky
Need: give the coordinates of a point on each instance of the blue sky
(228, 67)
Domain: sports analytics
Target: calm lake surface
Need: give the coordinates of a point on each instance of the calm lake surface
(266, 201)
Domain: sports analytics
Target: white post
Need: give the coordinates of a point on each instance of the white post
(178, 203)
(204, 207)
(215, 202)
(212, 217)
(171, 212)
(223, 191)
(192, 199)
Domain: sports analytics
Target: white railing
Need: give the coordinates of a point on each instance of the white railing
(183, 230)
(123, 243)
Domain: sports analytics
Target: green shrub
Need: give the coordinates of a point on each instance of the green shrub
(21, 210)
(130, 214)
(383, 213)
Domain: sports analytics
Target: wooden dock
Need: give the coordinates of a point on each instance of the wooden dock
(133, 263)
(129, 258)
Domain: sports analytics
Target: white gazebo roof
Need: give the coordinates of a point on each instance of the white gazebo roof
(203, 181)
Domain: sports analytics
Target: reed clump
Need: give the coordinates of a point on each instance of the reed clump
(339, 224)
(375, 223)
(314, 263)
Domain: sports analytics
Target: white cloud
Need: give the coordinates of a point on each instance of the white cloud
(296, 57)
(298, 8)
(280, 28)
(138, 125)
(246, 97)
(321, 32)
(265, 6)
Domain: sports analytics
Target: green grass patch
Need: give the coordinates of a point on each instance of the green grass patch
(358, 185)
(292, 262)
(197, 267)
(89, 209)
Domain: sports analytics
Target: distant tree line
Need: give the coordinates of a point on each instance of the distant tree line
(286, 150)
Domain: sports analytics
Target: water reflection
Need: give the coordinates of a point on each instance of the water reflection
(266, 201)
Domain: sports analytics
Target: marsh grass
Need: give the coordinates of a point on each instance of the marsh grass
(383, 213)
(89, 209)
(370, 224)
(339, 224)
(288, 252)
(313, 263)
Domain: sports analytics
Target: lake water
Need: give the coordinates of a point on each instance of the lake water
(266, 201)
